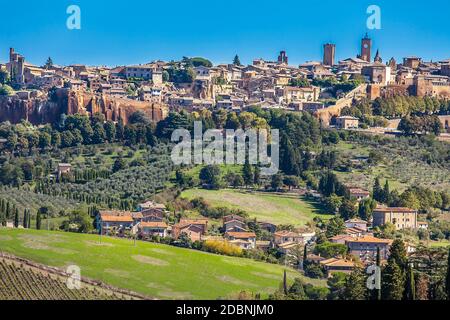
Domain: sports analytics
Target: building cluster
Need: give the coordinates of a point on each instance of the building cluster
(152, 220)
(269, 84)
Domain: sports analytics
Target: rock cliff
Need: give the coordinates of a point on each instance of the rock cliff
(40, 110)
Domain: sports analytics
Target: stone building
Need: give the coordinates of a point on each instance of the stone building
(329, 52)
(401, 218)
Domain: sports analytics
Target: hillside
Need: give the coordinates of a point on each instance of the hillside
(151, 269)
(274, 208)
(23, 280)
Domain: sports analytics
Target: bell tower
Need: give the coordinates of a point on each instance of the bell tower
(366, 48)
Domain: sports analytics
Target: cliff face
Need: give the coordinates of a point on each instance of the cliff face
(42, 110)
(36, 110)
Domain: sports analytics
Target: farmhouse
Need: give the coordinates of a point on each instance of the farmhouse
(246, 240)
(234, 225)
(153, 229)
(112, 224)
(285, 236)
(359, 194)
(337, 265)
(347, 122)
(356, 223)
(401, 218)
(193, 232)
(366, 247)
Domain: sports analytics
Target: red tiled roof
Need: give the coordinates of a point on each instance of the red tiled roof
(155, 224)
(106, 218)
(241, 235)
(370, 239)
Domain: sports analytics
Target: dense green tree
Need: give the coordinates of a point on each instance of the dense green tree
(211, 175)
(38, 220)
(410, 290)
(247, 173)
(348, 209)
(236, 61)
(335, 226)
(355, 286)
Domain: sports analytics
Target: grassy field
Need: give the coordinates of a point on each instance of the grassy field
(154, 270)
(274, 208)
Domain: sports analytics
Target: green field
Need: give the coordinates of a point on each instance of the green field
(154, 270)
(274, 208)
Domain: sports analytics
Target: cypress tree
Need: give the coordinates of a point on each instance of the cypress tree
(447, 278)
(377, 191)
(410, 290)
(285, 289)
(393, 282)
(29, 219)
(378, 290)
(16, 218)
(247, 173)
(25, 219)
(38, 220)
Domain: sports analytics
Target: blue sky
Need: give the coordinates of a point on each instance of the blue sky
(126, 32)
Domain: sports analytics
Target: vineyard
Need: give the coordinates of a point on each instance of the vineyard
(23, 282)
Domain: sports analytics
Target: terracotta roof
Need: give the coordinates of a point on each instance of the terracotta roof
(286, 233)
(115, 213)
(194, 221)
(155, 224)
(341, 237)
(106, 218)
(288, 245)
(394, 209)
(241, 235)
(334, 262)
(370, 239)
(356, 221)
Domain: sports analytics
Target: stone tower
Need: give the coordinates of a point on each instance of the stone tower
(329, 52)
(282, 58)
(366, 48)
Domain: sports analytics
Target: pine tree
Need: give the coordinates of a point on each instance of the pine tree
(410, 290)
(236, 61)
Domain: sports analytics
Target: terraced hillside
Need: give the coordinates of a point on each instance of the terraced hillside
(28, 281)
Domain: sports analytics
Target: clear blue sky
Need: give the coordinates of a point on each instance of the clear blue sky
(126, 32)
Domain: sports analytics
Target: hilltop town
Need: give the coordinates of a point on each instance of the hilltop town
(323, 88)
(363, 176)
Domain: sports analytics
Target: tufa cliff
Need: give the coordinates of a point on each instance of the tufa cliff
(41, 109)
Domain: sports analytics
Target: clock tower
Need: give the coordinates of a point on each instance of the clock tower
(366, 48)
